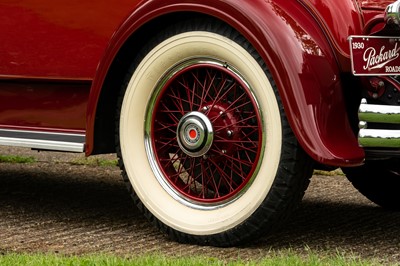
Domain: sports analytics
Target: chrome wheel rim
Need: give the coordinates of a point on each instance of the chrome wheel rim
(203, 133)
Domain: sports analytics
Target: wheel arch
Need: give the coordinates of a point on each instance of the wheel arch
(290, 41)
(109, 78)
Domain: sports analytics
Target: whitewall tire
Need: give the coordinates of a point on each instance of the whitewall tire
(202, 135)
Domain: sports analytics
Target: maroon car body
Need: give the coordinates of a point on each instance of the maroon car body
(63, 64)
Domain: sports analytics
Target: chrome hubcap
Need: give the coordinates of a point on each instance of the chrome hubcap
(195, 134)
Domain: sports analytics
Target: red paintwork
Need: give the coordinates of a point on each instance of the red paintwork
(57, 38)
(49, 54)
(374, 4)
(304, 44)
(32, 104)
(339, 20)
(296, 61)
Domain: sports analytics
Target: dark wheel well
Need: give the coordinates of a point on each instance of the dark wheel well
(104, 128)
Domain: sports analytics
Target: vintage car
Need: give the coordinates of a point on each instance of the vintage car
(219, 110)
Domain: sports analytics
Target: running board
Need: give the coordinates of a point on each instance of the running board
(52, 141)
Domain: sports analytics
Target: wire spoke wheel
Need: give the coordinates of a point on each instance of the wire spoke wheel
(204, 144)
(205, 132)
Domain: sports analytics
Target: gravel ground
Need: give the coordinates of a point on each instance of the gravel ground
(58, 207)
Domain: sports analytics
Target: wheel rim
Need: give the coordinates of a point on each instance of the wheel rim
(204, 133)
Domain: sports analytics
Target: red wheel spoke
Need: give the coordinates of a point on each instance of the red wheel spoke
(242, 121)
(224, 176)
(209, 180)
(235, 124)
(229, 157)
(218, 129)
(252, 149)
(205, 91)
(177, 101)
(220, 98)
(172, 115)
(168, 144)
(235, 169)
(247, 155)
(191, 180)
(247, 135)
(239, 107)
(166, 127)
(234, 141)
(170, 161)
(188, 93)
(249, 145)
(230, 107)
(181, 103)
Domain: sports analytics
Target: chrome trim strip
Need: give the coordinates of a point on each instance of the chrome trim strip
(379, 138)
(392, 13)
(383, 114)
(379, 113)
(43, 145)
(43, 140)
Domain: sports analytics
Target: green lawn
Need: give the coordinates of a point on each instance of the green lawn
(16, 159)
(14, 259)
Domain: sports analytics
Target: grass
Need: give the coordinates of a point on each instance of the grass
(16, 159)
(90, 161)
(282, 258)
(94, 161)
(329, 173)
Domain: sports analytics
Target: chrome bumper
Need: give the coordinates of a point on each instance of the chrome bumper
(383, 114)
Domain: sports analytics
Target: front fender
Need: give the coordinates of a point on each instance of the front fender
(297, 53)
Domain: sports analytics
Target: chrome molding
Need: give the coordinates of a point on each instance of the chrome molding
(43, 140)
(383, 114)
(379, 138)
(392, 13)
(379, 113)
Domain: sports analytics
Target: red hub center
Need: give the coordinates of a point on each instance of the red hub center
(192, 134)
(225, 125)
